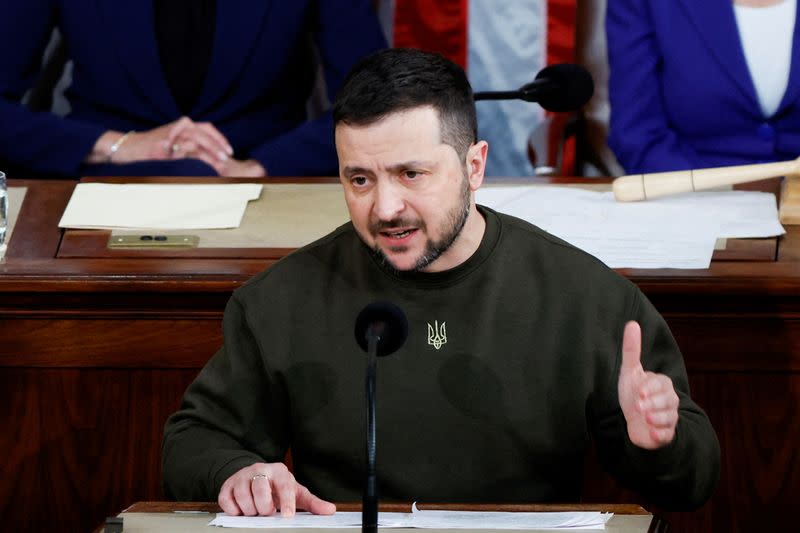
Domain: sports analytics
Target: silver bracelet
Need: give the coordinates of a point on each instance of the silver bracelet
(115, 147)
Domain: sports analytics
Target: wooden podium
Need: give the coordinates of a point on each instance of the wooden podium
(97, 349)
(168, 517)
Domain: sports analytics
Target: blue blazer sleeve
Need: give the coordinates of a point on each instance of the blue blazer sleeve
(41, 142)
(639, 131)
(346, 31)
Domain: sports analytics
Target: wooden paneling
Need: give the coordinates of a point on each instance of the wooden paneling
(79, 443)
(738, 343)
(758, 424)
(109, 342)
(757, 421)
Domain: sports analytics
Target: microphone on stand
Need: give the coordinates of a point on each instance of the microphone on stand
(562, 87)
(381, 329)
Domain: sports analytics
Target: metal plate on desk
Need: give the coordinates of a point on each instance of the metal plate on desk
(152, 240)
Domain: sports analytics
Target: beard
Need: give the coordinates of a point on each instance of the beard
(454, 224)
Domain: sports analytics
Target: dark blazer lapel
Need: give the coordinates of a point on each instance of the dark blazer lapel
(238, 27)
(793, 87)
(132, 27)
(715, 21)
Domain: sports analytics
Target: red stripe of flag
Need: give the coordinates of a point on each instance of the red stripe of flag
(439, 26)
(561, 20)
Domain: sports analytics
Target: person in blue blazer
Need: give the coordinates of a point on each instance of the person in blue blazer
(703, 83)
(185, 87)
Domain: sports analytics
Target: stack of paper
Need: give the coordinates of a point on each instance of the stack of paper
(425, 520)
(158, 206)
(672, 232)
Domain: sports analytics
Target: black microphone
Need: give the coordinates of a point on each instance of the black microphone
(381, 329)
(563, 87)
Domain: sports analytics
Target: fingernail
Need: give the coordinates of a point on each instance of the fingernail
(230, 150)
(222, 156)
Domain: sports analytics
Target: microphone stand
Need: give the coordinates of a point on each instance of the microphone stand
(530, 92)
(381, 329)
(369, 506)
(497, 95)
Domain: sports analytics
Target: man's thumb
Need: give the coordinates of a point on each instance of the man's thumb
(631, 347)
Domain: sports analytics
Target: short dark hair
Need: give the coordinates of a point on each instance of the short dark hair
(399, 79)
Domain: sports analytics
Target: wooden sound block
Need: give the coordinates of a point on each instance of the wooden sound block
(789, 209)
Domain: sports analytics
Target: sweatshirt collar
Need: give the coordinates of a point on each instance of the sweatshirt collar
(491, 236)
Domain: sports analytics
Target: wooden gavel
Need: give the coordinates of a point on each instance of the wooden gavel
(636, 187)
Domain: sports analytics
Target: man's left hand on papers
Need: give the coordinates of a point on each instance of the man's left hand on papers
(263, 488)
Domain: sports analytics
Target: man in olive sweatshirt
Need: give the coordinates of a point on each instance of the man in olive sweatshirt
(521, 350)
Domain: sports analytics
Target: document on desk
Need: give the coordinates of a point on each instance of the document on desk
(158, 206)
(673, 232)
(426, 520)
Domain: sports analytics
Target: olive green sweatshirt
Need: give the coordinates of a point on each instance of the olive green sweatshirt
(509, 370)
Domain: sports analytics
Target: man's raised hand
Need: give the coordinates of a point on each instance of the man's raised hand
(648, 400)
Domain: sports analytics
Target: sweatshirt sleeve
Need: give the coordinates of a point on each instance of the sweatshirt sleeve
(39, 141)
(681, 475)
(233, 415)
(639, 131)
(345, 32)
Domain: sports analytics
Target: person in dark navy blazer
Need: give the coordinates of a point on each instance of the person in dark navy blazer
(180, 87)
(703, 83)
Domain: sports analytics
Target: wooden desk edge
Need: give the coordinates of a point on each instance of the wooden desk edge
(656, 526)
(405, 507)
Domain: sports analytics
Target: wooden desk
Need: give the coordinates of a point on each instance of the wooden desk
(96, 353)
(143, 517)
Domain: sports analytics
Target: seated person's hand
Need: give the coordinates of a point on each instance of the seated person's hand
(648, 400)
(250, 168)
(180, 139)
(263, 488)
(197, 140)
(201, 140)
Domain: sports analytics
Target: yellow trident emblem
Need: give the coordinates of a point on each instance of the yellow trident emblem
(437, 335)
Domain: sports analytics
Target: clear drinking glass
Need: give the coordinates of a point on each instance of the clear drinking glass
(3, 213)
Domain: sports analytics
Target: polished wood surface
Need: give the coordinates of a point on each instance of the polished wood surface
(405, 507)
(95, 353)
(190, 516)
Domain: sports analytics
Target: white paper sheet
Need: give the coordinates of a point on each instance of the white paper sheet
(158, 206)
(340, 520)
(500, 520)
(425, 520)
(673, 232)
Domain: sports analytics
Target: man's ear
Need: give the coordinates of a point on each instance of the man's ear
(476, 163)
